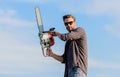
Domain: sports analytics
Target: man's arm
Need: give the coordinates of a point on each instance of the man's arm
(56, 57)
(73, 35)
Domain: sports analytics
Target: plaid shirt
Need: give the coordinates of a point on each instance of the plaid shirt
(75, 53)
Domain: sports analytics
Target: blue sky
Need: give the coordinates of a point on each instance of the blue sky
(20, 51)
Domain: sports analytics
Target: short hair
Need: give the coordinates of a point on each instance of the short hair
(68, 16)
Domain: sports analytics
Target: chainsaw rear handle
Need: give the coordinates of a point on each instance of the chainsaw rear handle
(51, 30)
(46, 41)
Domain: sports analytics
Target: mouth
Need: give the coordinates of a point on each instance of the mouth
(68, 28)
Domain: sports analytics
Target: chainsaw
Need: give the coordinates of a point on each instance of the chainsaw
(46, 40)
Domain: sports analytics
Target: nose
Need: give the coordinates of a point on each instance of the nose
(68, 25)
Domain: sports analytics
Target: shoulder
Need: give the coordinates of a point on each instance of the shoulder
(80, 29)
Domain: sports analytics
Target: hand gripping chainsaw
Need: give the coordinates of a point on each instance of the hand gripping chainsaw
(46, 41)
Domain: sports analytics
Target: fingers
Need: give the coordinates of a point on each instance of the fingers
(48, 52)
(50, 35)
(54, 33)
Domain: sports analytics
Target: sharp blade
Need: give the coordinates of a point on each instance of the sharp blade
(39, 20)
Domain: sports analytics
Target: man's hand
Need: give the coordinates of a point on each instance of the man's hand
(54, 33)
(49, 52)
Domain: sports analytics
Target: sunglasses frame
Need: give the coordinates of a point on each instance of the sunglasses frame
(70, 23)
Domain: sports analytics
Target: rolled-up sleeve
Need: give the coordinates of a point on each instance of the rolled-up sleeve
(73, 35)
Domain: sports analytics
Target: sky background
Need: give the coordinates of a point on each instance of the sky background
(20, 51)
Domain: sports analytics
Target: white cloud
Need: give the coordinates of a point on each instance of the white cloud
(19, 57)
(110, 8)
(16, 55)
(93, 63)
(8, 17)
(92, 7)
(113, 28)
(102, 75)
(9, 21)
(7, 13)
(98, 7)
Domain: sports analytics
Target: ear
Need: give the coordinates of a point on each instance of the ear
(75, 23)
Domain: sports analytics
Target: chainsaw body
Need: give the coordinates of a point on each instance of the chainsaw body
(46, 39)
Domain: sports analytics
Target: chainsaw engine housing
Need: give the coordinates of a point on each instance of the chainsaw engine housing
(45, 40)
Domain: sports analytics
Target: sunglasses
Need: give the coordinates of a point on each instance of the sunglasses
(70, 23)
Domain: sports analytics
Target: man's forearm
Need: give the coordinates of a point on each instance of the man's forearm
(60, 36)
(58, 58)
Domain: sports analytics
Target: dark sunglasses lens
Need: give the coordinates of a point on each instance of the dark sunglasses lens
(69, 23)
(66, 23)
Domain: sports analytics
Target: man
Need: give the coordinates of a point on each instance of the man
(75, 54)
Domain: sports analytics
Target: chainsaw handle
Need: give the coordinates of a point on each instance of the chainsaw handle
(51, 39)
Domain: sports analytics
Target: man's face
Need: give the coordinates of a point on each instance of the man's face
(70, 24)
